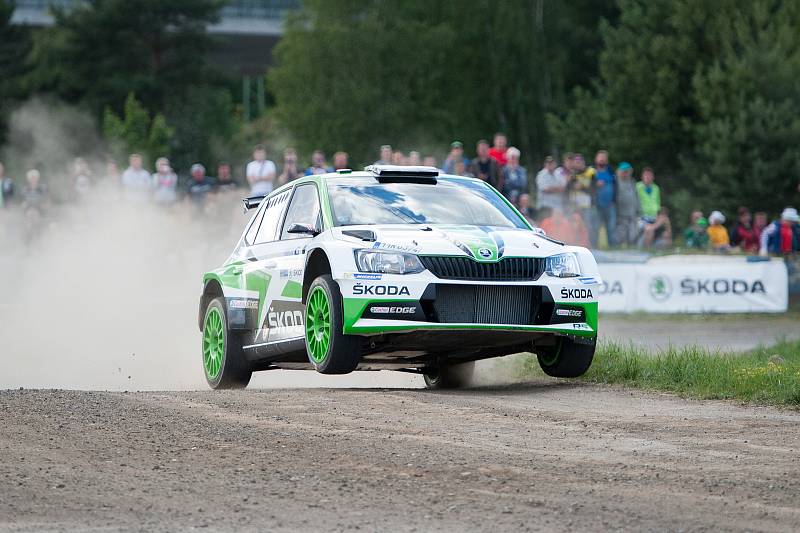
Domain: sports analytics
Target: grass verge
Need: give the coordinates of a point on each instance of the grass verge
(766, 375)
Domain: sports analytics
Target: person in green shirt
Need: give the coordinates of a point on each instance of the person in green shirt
(649, 194)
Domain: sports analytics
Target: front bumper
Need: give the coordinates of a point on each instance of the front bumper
(399, 304)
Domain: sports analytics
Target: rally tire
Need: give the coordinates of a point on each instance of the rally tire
(224, 364)
(329, 350)
(567, 359)
(449, 376)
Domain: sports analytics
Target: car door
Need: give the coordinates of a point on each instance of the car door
(260, 273)
(285, 316)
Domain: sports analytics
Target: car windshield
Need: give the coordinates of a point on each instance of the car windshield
(356, 200)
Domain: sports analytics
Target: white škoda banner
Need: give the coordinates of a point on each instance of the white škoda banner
(695, 284)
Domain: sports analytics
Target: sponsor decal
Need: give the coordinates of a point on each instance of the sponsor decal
(485, 253)
(588, 281)
(284, 319)
(691, 286)
(660, 288)
(292, 273)
(611, 288)
(396, 247)
(401, 310)
(581, 326)
(380, 290)
(367, 276)
(243, 304)
(577, 313)
(576, 294)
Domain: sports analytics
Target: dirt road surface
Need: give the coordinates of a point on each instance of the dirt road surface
(540, 455)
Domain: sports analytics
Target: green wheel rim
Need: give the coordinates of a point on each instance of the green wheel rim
(551, 359)
(213, 343)
(318, 324)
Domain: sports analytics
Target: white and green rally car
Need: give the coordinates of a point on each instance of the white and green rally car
(394, 268)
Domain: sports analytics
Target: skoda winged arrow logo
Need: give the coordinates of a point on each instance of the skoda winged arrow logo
(660, 288)
(485, 253)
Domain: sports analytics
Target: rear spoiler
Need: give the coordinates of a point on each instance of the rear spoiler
(251, 202)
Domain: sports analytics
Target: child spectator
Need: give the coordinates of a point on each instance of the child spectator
(515, 177)
(782, 237)
(696, 235)
(628, 210)
(743, 234)
(81, 174)
(717, 234)
(649, 194)
(760, 222)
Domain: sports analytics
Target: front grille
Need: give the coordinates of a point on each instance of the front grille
(508, 269)
(480, 304)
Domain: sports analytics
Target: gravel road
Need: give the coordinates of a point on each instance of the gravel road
(540, 455)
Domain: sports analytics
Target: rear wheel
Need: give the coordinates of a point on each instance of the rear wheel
(329, 350)
(224, 364)
(567, 359)
(449, 376)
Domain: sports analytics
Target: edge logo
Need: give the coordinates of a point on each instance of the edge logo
(393, 310)
(485, 253)
(576, 294)
(660, 288)
(380, 290)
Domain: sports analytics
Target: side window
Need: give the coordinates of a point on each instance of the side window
(250, 236)
(303, 209)
(272, 214)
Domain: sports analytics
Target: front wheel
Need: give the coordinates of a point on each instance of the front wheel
(567, 359)
(329, 350)
(223, 361)
(449, 376)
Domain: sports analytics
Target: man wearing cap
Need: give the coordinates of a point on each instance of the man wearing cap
(782, 237)
(629, 211)
(550, 186)
(455, 156)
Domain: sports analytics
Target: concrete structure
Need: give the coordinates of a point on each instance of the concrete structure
(246, 32)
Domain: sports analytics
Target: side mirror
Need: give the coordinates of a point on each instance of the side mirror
(303, 229)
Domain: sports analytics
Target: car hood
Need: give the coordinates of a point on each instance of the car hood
(482, 243)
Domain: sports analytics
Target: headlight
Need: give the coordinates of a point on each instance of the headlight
(563, 266)
(387, 262)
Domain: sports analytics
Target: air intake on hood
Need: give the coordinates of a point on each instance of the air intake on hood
(508, 269)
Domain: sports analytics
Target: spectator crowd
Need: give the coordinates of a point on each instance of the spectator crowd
(594, 205)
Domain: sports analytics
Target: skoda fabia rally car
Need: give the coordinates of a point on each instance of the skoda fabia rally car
(394, 268)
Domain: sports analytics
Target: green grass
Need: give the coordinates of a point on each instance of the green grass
(754, 377)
